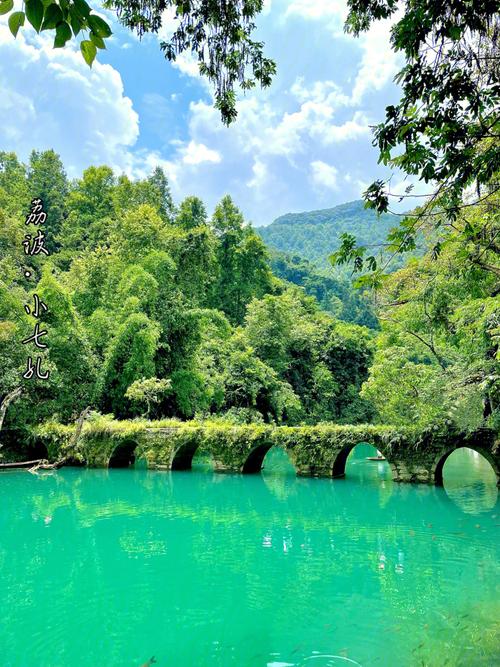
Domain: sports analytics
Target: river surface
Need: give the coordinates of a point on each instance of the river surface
(108, 568)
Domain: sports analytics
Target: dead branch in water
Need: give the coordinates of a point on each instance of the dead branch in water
(45, 465)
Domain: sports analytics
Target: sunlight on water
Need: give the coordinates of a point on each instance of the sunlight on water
(111, 567)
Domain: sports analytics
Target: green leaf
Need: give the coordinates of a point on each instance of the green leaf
(98, 26)
(75, 20)
(16, 20)
(82, 8)
(34, 13)
(98, 41)
(89, 51)
(63, 33)
(53, 15)
(6, 6)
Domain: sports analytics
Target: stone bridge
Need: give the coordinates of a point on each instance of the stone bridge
(317, 451)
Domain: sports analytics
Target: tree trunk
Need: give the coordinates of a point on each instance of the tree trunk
(6, 402)
(79, 426)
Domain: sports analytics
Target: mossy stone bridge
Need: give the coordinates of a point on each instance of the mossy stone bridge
(316, 451)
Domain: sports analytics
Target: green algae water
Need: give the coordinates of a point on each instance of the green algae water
(194, 568)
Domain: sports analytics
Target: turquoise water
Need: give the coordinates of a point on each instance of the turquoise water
(113, 567)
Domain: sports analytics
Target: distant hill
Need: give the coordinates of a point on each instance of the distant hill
(314, 235)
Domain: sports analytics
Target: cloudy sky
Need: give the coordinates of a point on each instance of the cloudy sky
(303, 144)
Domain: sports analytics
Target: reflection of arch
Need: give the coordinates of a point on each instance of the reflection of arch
(183, 456)
(254, 460)
(123, 455)
(442, 458)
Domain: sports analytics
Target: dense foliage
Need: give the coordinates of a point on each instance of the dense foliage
(334, 294)
(438, 355)
(158, 309)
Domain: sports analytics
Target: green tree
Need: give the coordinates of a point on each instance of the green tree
(323, 360)
(193, 251)
(14, 195)
(137, 233)
(154, 191)
(90, 211)
(158, 180)
(47, 180)
(243, 260)
(252, 384)
(72, 380)
(147, 391)
(130, 357)
(191, 213)
(440, 324)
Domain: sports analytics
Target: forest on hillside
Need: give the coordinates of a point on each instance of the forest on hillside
(315, 235)
(154, 309)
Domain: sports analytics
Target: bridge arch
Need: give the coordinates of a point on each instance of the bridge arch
(182, 457)
(340, 461)
(123, 455)
(439, 462)
(38, 450)
(253, 462)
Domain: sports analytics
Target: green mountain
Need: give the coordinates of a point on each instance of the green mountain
(314, 235)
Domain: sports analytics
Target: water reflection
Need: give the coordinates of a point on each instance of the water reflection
(470, 481)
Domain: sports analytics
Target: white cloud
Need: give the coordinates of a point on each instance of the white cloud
(335, 10)
(142, 163)
(187, 64)
(259, 175)
(327, 92)
(51, 99)
(379, 63)
(355, 128)
(324, 175)
(267, 7)
(195, 153)
(169, 24)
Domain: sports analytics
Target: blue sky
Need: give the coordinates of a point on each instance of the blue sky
(303, 144)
